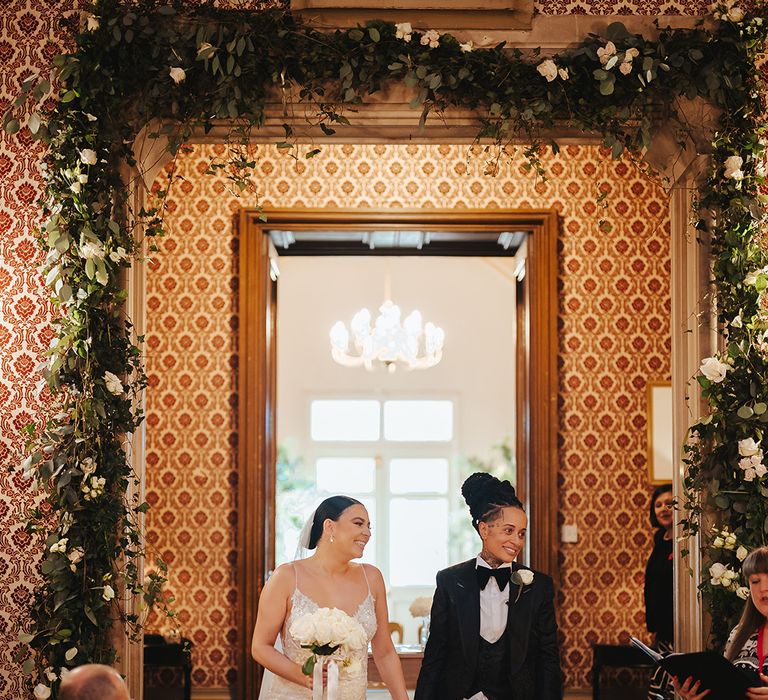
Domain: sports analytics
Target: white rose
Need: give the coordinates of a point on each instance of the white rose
(113, 383)
(75, 187)
(431, 38)
(526, 576)
(82, 178)
(60, 546)
(625, 68)
(563, 73)
(760, 470)
(732, 167)
(108, 593)
(302, 629)
(742, 592)
(178, 75)
(42, 692)
(118, 255)
(716, 572)
(735, 14)
(713, 369)
(748, 447)
(88, 156)
(91, 250)
(718, 542)
(50, 675)
(730, 541)
(91, 23)
(749, 474)
(547, 69)
(403, 31)
(466, 48)
(741, 553)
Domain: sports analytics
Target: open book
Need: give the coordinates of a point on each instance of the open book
(724, 680)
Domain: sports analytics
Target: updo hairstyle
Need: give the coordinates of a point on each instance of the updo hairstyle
(486, 496)
(331, 508)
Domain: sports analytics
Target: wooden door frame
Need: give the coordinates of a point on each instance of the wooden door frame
(537, 475)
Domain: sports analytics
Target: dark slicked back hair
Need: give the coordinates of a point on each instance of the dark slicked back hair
(486, 496)
(664, 488)
(751, 619)
(331, 508)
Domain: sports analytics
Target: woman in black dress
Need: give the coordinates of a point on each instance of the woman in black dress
(658, 590)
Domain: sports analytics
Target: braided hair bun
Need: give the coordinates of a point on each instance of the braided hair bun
(486, 495)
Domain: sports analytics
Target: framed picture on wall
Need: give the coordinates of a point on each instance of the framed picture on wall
(661, 450)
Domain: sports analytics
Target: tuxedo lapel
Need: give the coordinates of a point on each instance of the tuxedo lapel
(518, 621)
(468, 610)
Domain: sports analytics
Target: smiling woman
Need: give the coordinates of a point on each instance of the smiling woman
(517, 652)
(337, 532)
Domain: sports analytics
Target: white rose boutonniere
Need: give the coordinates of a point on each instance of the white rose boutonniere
(521, 578)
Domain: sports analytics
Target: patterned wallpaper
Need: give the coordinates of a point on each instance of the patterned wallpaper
(30, 35)
(614, 337)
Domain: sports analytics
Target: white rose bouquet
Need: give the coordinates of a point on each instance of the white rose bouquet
(327, 632)
(421, 606)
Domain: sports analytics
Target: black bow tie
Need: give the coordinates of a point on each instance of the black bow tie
(501, 575)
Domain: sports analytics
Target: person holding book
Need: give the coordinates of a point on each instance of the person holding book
(658, 588)
(747, 646)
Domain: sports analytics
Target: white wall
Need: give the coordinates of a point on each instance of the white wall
(472, 299)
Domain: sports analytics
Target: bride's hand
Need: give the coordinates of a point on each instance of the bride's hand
(688, 690)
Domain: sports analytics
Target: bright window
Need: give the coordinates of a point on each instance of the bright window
(346, 474)
(418, 475)
(418, 540)
(345, 421)
(418, 421)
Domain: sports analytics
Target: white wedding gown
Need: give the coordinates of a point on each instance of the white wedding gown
(353, 679)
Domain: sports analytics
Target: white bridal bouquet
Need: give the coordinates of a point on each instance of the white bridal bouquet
(327, 632)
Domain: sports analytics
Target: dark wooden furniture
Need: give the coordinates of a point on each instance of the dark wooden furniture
(160, 654)
(411, 656)
(615, 655)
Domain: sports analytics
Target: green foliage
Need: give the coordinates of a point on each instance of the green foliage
(183, 68)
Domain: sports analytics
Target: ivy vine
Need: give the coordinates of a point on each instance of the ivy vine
(174, 70)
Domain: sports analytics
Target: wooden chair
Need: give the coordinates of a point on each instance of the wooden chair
(396, 628)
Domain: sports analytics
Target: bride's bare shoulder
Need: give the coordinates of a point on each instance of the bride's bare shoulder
(283, 577)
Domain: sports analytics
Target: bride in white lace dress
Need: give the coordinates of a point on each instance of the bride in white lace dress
(337, 532)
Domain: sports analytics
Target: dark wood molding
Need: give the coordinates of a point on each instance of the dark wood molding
(536, 368)
(256, 438)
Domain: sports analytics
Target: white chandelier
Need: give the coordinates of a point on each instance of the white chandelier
(389, 342)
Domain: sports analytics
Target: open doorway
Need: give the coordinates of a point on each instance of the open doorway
(518, 245)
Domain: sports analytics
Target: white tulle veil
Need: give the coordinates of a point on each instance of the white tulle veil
(302, 552)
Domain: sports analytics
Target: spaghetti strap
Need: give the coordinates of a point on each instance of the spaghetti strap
(296, 576)
(366, 579)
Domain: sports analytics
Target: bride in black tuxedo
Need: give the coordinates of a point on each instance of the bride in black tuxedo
(492, 639)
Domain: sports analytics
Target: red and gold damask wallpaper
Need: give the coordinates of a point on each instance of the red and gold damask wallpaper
(614, 338)
(614, 308)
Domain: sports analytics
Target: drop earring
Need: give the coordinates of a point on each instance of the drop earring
(331, 539)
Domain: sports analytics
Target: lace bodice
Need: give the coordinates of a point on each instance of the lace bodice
(353, 679)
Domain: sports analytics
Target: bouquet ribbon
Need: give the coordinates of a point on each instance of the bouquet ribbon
(333, 679)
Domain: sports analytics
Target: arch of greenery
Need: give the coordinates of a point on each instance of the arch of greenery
(143, 62)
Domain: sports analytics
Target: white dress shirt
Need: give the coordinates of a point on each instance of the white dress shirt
(494, 608)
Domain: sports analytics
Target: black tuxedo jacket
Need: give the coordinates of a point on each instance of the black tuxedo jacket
(450, 657)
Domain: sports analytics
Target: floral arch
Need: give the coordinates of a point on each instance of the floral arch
(140, 64)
